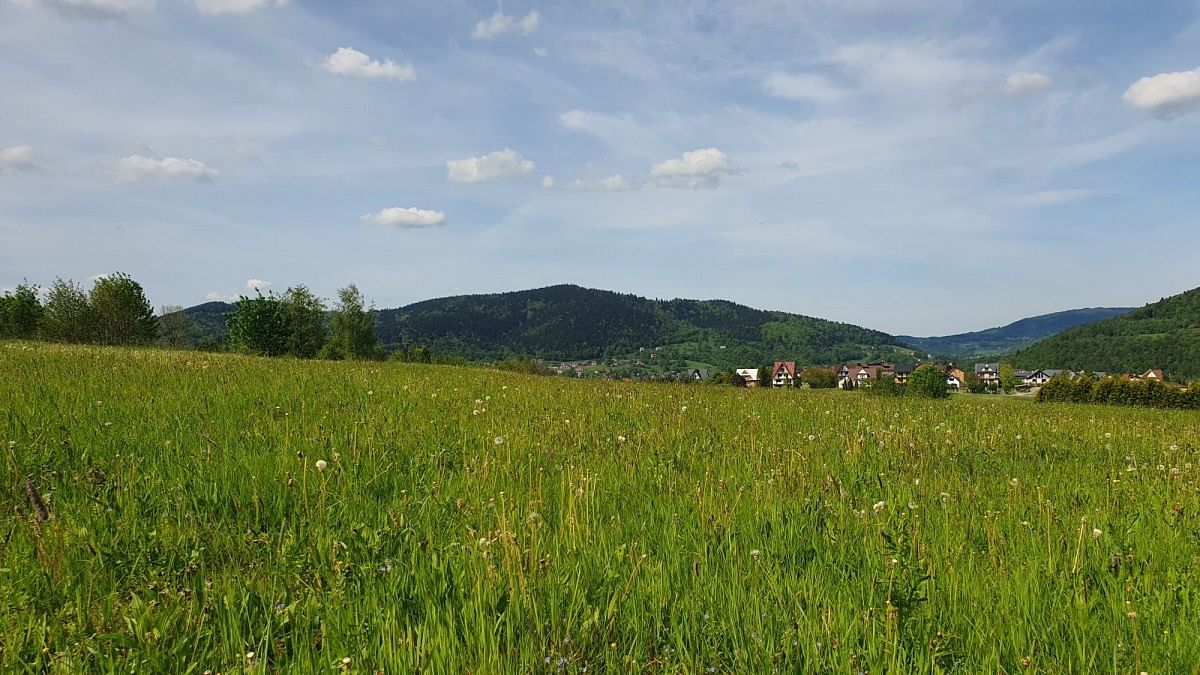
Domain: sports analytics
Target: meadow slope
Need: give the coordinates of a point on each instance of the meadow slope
(469, 520)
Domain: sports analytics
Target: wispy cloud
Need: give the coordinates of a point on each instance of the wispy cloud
(18, 159)
(92, 9)
(502, 24)
(138, 168)
(1019, 84)
(216, 7)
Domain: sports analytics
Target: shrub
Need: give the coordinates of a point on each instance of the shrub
(928, 382)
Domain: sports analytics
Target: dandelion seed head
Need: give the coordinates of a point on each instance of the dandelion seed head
(499, 440)
(321, 464)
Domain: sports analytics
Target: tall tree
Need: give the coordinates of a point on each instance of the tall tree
(305, 313)
(174, 326)
(68, 315)
(1008, 378)
(122, 313)
(353, 329)
(20, 313)
(259, 325)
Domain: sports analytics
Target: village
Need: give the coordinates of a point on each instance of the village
(987, 376)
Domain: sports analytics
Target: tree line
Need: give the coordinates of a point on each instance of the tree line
(115, 311)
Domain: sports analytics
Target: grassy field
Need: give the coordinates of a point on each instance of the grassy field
(229, 514)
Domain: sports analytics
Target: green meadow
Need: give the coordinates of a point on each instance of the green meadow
(217, 513)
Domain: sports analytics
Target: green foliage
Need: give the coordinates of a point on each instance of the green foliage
(306, 325)
(68, 315)
(1114, 391)
(818, 378)
(728, 377)
(569, 322)
(122, 313)
(1008, 380)
(620, 527)
(526, 366)
(352, 335)
(414, 354)
(20, 313)
(885, 385)
(928, 382)
(1165, 334)
(975, 385)
(260, 326)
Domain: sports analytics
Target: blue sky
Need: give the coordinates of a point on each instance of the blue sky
(922, 167)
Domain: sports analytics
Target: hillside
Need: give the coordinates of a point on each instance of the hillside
(1164, 334)
(569, 322)
(1014, 336)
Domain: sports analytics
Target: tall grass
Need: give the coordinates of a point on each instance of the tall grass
(470, 520)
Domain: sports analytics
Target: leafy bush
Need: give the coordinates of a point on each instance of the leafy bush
(1114, 391)
(818, 378)
(928, 382)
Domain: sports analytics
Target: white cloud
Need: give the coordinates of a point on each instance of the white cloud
(493, 166)
(499, 24)
(257, 285)
(213, 7)
(215, 296)
(803, 87)
(694, 170)
(406, 218)
(614, 183)
(1166, 94)
(541, 52)
(548, 182)
(1019, 84)
(348, 61)
(94, 9)
(137, 168)
(18, 158)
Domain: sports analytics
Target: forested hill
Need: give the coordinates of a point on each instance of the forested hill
(1014, 336)
(569, 322)
(1164, 334)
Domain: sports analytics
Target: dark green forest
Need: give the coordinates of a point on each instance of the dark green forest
(570, 322)
(1164, 334)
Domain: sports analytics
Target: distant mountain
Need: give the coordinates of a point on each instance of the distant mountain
(1164, 334)
(573, 323)
(1014, 336)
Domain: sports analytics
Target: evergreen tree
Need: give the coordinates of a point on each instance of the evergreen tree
(352, 329)
(1008, 379)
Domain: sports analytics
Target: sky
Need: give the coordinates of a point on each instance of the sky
(920, 167)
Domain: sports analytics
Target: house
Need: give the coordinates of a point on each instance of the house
(988, 374)
(783, 374)
(883, 368)
(1022, 376)
(1152, 374)
(902, 373)
(749, 376)
(1039, 377)
(696, 374)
